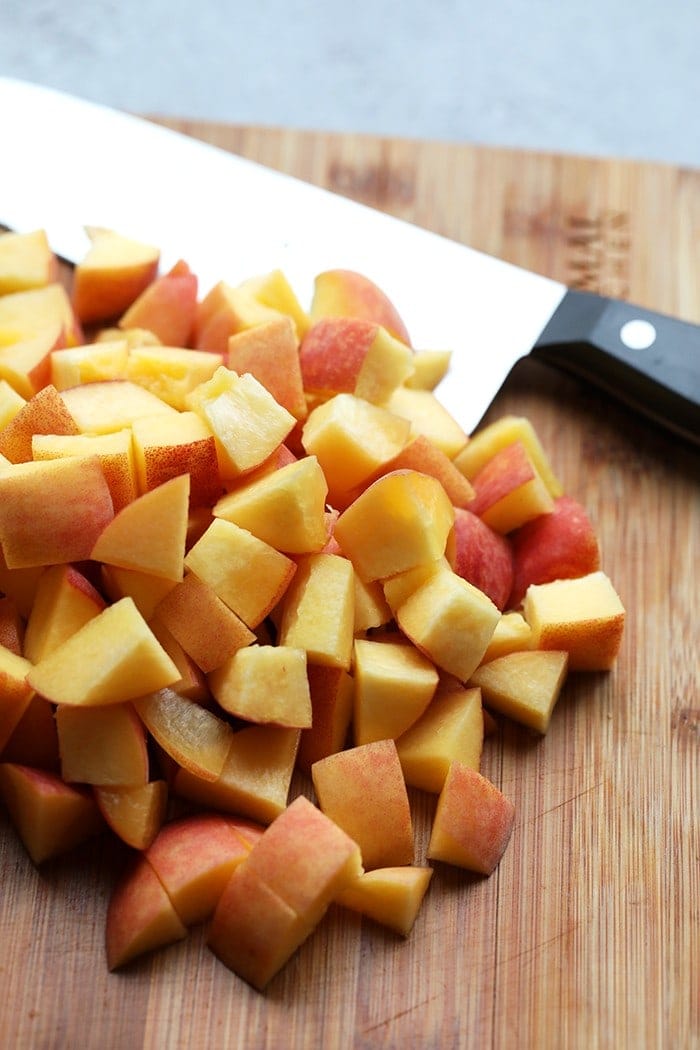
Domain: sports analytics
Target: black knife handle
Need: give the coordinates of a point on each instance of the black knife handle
(645, 359)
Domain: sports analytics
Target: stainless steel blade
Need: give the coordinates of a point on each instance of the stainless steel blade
(68, 163)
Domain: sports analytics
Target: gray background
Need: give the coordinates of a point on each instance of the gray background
(615, 78)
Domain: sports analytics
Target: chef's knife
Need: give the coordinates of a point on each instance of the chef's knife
(66, 163)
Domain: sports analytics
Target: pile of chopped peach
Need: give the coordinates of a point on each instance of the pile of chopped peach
(257, 587)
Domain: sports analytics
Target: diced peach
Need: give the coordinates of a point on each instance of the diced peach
(113, 404)
(102, 745)
(317, 612)
(194, 857)
(391, 896)
(114, 451)
(270, 352)
(10, 403)
(34, 740)
(114, 657)
(525, 686)
(197, 739)
(65, 600)
(555, 546)
(272, 289)
(345, 355)
(509, 491)
(421, 454)
(146, 590)
(134, 813)
(149, 533)
(256, 776)
(111, 275)
(495, 436)
(202, 623)
(243, 416)
(12, 628)
(265, 684)
(44, 413)
(346, 293)
(284, 507)
(168, 446)
(26, 261)
(15, 691)
(482, 556)
(26, 364)
(248, 574)
(450, 730)
(394, 683)
(583, 616)
(331, 691)
(362, 789)
(25, 315)
(52, 511)
(91, 363)
(303, 861)
(226, 310)
(451, 621)
(171, 372)
(352, 439)
(402, 520)
(50, 816)
(167, 307)
(428, 417)
(473, 822)
(140, 915)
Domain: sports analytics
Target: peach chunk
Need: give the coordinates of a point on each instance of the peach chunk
(525, 686)
(168, 446)
(270, 352)
(135, 812)
(194, 857)
(90, 363)
(105, 745)
(303, 861)
(482, 556)
(265, 684)
(391, 896)
(114, 451)
(111, 275)
(509, 491)
(65, 600)
(400, 521)
(504, 431)
(149, 533)
(112, 404)
(167, 306)
(112, 658)
(555, 546)
(283, 507)
(352, 438)
(583, 616)
(140, 915)
(243, 416)
(421, 454)
(345, 355)
(50, 816)
(473, 822)
(331, 691)
(450, 730)
(15, 691)
(317, 612)
(44, 413)
(256, 776)
(362, 789)
(450, 621)
(171, 372)
(248, 574)
(26, 261)
(194, 737)
(52, 511)
(394, 683)
(208, 631)
(346, 293)
(428, 417)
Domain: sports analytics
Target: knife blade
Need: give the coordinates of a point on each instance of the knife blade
(69, 163)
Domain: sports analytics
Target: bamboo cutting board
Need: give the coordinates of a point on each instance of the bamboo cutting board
(588, 934)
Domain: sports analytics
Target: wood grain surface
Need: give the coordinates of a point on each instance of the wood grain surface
(588, 934)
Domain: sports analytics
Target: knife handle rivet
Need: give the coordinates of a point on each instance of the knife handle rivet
(638, 334)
